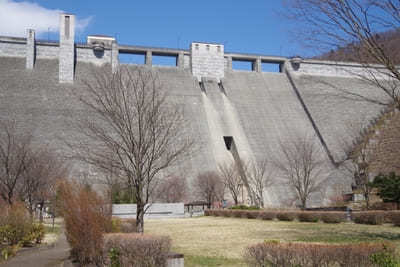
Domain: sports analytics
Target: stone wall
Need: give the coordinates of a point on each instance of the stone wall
(333, 69)
(8, 48)
(387, 140)
(47, 51)
(87, 54)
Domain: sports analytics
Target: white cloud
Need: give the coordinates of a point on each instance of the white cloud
(17, 17)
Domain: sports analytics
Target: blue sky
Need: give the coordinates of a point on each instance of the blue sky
(249, 27)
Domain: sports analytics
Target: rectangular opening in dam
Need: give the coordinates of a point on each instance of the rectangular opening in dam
(242, 65)
(163, 60)
(270, 67)
(66, 25)
(131, 58)
(228, 142)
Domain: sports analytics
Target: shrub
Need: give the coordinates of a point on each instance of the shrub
(267, 215)
(384, 258)
(8, 251)
(384, 206)
(135, 250)
(394, 217)
(333, 217)
(86, 218)
(252, 214)
(15, 225)
(308, 254)
(210, 212)
(219, 213)
(308, 216)
(286, 216)
(227, 213)
(239, 213)
(128, 226)
(244, 207)
(369, 217)
(115, 225)
(35, 235)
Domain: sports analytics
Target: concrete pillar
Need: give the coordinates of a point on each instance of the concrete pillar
(228, 63)
(257, 65)
(67, 48)
(148, 58)
(30, 49)
(114, 57)
(180, 60)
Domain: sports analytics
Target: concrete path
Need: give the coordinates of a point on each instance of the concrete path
(42, 257)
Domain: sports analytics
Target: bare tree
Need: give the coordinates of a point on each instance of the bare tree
(209, 187)
(172, 189)
(232, 180)
(133, 129)
(43, 170)
(360, 152)
(331, 24)
(260, 176)
(15, 150)
(301, 165)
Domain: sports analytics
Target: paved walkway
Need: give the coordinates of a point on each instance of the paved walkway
(42, 257)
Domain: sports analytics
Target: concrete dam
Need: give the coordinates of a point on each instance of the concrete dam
(232, 114)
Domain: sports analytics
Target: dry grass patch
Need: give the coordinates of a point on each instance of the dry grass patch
(219, 237)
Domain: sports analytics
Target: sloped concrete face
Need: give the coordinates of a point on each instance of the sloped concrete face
(269, 113)
(257, 110)
(40, 103)
(341, 107)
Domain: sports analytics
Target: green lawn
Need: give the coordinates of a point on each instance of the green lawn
(218, 241)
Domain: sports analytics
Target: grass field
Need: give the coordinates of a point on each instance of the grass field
(218, 241)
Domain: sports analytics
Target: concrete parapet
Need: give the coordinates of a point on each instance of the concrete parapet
(114, 57)
(67, 48)
(203, 59)
(180, 60)
(337, 69)
(257, 65)
(30, 49)
(12, 47)
(228, 63)
(149, 58)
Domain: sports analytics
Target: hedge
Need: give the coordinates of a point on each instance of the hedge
(135, 250)
(274, 253)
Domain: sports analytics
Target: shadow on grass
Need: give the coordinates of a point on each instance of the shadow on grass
(354, 237)
(383, 235)
(195, 261)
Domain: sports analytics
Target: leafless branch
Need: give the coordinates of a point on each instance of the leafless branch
(301, 164)
(260, 176)
(356, 25)
(209, 187)
(134, 129)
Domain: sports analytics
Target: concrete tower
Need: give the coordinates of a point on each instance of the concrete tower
(30, 49)
(207, 60)
(67, 49)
